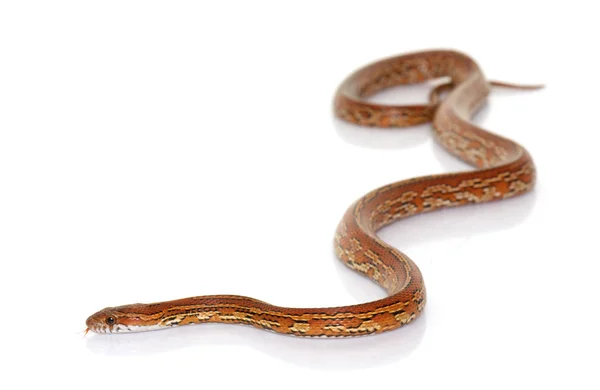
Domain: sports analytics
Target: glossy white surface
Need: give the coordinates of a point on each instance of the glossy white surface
(151, 151)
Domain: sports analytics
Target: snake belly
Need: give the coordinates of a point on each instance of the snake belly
(503, 169)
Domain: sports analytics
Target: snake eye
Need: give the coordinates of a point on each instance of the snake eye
(110, 320)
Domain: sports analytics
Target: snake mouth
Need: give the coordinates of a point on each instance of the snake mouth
(117, 328)
(98, 329)
(95, 327)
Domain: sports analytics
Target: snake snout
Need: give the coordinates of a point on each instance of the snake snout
(93, 324)
(102, 321)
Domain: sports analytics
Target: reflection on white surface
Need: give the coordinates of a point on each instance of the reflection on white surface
(378, 138)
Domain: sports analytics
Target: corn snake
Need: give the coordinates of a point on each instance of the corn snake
(504, 169)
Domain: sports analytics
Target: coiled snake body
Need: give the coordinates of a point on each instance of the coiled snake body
(504, 169)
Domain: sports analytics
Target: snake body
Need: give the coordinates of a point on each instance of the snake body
(503, 169)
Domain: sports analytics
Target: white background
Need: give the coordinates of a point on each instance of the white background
(156, 150)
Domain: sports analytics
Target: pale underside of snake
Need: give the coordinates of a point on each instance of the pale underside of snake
(503, 169)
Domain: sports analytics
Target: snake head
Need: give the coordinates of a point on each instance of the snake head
(127, 318)
(107, 320)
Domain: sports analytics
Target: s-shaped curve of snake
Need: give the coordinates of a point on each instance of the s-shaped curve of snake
(504, 169)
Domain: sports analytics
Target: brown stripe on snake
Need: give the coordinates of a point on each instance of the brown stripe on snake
(504, 169)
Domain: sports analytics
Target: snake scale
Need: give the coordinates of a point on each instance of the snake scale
(503, 169)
